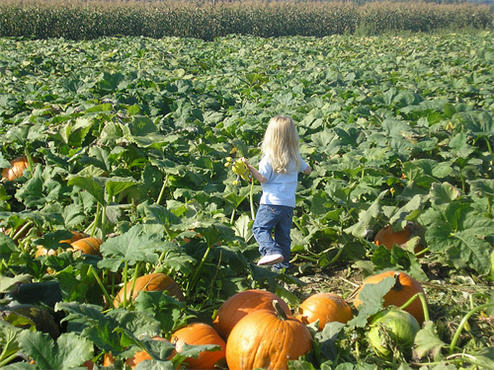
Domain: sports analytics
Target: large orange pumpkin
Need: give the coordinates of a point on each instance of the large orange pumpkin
(200, 334)
(18, 165)
(150, 283)
(388, 237)
(266, 339)
(241, 304)
(325, 307)
(404, 289)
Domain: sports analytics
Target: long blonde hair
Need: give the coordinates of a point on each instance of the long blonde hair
(280, 144)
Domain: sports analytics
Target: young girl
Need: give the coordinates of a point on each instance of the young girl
(278, 173)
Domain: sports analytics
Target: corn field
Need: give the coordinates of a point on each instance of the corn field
(206, 20)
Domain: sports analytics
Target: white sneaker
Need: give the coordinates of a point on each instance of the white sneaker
(270, 259)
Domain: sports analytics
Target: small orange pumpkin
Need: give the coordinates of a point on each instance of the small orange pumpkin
(266, 339)
(243, 303)
(388, 237)
(18, 165)
(89, 245)
(76, 236)
(141, 355)
(132, 362)
(325, 307)
(199, 334)
(150, 283)
(404, 289)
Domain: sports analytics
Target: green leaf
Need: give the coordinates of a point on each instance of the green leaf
(6, 283)
(367, 218)
(443, 194)
(166, 309)
(483, 359)
(427, 341)
(372, 298)
(132, 246)
(92, 185)
(483, 187)
(115, 185)
(69, 351)
(243, 227)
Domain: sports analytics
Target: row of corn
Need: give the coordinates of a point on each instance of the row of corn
(92, 19)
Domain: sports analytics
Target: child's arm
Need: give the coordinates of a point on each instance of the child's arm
(255, 172)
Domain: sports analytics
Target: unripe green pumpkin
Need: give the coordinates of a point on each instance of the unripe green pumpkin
(401, 327)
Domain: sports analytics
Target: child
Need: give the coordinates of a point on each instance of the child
(278, 173)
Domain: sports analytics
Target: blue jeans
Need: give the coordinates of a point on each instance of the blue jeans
(274, 220)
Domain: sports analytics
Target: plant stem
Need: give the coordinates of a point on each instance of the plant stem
(96, 219)
(103, 289)
(489, 148)
(103, 223)
(192, 281)
(162, 191)
(124, 276)
(218, 265)
(251, 199)
(134, 278)
(463, 323)
(421, 296)
(279, 311)
(21, 230)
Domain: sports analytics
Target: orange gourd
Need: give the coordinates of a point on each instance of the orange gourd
(88, 245)
(132, 362)
(325, 307)
(91, 246)
(388, 237)
(241, 304)
(200, 334)
(149, 283)
(18, 165)
(266, 339)
(141, 355)
(404, 289)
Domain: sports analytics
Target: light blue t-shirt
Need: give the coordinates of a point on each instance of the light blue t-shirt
(279, 189)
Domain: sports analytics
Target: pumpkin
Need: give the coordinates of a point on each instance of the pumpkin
(325, 307)
(266, 339)
(132, 362)
(404, 289)
(79, 241)
(88, 245)
(388, 237)
(149, 283)
(401, 329)
(241, 304)
(200, 334)
(17, 167)
(76, 235)
(141, 355)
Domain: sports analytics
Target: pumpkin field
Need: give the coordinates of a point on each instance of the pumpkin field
(126, 236)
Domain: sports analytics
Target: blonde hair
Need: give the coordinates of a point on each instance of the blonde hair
(280, 144)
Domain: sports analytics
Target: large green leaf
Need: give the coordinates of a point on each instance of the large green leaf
(69, 351)
(131, 247)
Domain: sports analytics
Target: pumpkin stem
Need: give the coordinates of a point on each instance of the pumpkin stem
(397, 285)
(279, 311)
